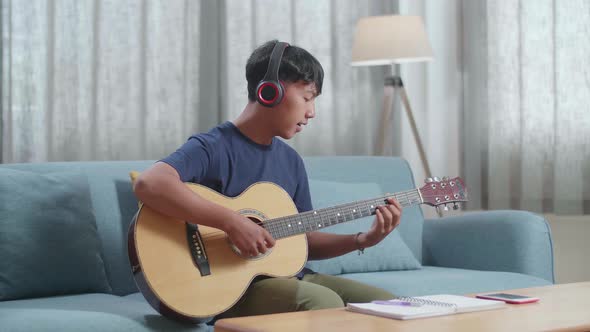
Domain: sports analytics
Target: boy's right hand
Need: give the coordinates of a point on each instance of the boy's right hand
(250, 238)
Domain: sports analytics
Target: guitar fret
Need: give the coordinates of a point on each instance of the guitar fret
(311, 222)
(403, 200)
(315, 222)
(329, 217)
(325, 218)
(295, 225)
(283, 228)
(319, 221)
(348, 215)
(280, 229)
(360, 210)
(301, 225)
(271, 228)
(287, 231)
(369, 212)
(276, 229)
(339, 217)
(333, 217)
(322, 218)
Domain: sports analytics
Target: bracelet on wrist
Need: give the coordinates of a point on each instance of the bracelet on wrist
(360, 248)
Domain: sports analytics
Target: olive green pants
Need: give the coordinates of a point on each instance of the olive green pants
(314, 291)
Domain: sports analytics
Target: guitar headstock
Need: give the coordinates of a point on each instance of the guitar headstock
(441, 192)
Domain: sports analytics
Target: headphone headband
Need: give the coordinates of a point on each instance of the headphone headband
(272, 72)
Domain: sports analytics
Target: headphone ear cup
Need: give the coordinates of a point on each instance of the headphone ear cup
(269, 93)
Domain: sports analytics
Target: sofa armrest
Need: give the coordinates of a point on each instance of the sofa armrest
(508, 240)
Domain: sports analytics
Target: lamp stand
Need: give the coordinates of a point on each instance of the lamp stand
(393, 83)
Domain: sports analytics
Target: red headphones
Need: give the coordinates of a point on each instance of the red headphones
(270, 90)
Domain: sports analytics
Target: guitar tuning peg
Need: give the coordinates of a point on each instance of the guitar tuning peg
(445, 178)
(455, 206)
(428, 180)
(446, 208)
(436, 178)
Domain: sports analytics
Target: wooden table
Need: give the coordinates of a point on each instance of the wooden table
(564, 307)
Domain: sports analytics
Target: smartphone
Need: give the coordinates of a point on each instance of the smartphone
(509, 298)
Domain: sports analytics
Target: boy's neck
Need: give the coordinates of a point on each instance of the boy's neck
(254, 125)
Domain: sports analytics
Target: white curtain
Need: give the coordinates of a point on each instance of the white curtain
(132, 79)
(99, 80)
(526, 124)
(435, 93)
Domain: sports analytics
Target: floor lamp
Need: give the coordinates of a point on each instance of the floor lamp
(390, 40)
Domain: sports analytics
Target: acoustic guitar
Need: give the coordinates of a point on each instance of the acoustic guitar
(192, 272)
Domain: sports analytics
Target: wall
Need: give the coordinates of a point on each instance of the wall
(571, 247)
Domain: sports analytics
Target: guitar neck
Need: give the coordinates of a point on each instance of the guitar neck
(317, 219)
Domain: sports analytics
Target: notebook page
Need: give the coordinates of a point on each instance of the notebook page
(400, 312)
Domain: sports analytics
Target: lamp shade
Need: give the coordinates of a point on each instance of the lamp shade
(384, 40)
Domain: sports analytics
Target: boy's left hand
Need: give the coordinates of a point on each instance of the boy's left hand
(386, 220)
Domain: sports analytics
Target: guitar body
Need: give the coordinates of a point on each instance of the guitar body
(164, 255)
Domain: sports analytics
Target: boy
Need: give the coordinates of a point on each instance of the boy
(234, 155)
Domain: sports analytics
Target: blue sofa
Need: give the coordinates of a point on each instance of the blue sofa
(63, 251)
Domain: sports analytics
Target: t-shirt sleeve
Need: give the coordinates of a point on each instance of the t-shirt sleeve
(192, 159)
(302, 197)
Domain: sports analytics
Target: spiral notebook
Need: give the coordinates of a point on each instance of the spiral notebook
(424, 306)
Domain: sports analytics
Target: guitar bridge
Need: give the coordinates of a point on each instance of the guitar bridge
(197, 249)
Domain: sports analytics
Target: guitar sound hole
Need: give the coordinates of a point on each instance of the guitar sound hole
(256, 221)
(237, 250)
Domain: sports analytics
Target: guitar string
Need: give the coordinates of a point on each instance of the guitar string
(272, 224)
(337, 214)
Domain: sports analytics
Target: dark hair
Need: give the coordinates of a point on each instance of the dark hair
(296, 65)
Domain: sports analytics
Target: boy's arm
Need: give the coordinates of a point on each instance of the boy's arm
(326, 245)
(161, 189)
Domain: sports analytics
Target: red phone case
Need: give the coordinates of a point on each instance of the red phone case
(531, 300)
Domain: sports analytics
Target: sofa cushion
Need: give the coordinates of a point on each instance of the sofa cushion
(431, 280)
(48, 238)
(390, 254)
(392, 174)
(114, 207)
(87, 312)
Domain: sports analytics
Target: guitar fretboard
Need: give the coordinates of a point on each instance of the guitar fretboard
(317, 219)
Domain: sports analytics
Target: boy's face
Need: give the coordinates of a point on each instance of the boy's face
(296, 108)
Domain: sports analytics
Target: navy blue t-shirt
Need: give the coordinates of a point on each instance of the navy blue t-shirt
(228, 162)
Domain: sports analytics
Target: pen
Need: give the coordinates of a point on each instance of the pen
(402, 303)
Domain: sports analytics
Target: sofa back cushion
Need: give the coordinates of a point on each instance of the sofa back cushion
(49, 243)
(389, 255)
(113, 204)
(392, 174)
